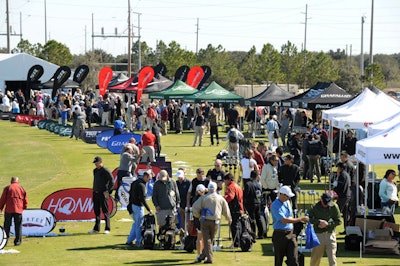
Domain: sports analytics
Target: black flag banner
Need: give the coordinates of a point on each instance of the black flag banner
(80, 73)
(61, 76)
(181, 73)
(160, 69)
(34, 73)
(207, 74)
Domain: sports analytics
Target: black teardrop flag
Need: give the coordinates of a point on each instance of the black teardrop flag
(207, 74)
(61, 76)
(181, 73)
(160, 69)
(34, 73)
(81, 73)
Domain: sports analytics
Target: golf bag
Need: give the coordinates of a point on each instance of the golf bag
(149, 231)
(190, 231)
(166, 236)
(246, 235)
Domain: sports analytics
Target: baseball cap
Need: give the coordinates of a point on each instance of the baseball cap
(287, 191)
(327, 198)
(180, 174)
(201, 188)
(97, 159)
(289, 157)
(212, 186)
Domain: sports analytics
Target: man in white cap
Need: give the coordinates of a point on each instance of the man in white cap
(283, 238)
(209, 209)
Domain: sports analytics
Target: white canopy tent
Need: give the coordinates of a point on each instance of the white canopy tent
(15, 67)
(384, 124)
(365, 98)
(381, 148)
(363, 115)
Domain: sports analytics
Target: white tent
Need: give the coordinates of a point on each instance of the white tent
(15, 67)
(365, 98)
(382, 107)
(382, 148)
(384, 124)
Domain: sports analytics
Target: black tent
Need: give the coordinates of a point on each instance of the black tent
(324, 95)
(272, 95)
(331, 97)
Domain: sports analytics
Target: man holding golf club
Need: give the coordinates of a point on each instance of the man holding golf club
(283, 238)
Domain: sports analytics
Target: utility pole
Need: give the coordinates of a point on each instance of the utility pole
(139, 46)
(8, 28)
(197, 36)
(45, 22)
(305, 29)
(371, 55)
(362, 53)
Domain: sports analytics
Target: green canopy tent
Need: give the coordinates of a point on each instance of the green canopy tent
(178, 90)
(214, 93)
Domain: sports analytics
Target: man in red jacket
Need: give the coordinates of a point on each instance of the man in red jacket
(148, 140)
(234, 197)
(15, 201)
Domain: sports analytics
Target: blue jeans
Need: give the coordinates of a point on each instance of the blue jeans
(136, 230)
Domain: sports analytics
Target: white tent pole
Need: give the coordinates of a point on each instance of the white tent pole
(255, 120)
(358, 184)
(365, 212)
(330, 153)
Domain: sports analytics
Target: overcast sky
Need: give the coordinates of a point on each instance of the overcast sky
(236, 25)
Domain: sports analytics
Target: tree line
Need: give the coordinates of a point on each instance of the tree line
(288, 65)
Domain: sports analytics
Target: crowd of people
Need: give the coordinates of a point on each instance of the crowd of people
(269, 174)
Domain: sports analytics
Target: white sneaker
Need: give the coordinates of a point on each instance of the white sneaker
(106, 232)
(93, 232)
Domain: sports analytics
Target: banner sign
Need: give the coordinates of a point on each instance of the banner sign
(105, 76)
(74, 204)
(34, 73)
(182, 73)
(90, 134)
(36, 222)
(115, 143)
(103, 137)
(195, 76)
(80, 73)
(61, 76)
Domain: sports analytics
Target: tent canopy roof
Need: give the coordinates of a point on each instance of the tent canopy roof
(214, 93)
(382, 148)
(365, 98)
(178, 90)
(15, 67)
(272, 95)
(324, 95)
(362, 115)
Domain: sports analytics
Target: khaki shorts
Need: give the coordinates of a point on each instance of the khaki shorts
(162, 214)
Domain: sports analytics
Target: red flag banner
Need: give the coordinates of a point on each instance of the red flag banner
(105, 76)
(146, 75)
(195, 76)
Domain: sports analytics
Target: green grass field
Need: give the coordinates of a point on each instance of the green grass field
(46, 162)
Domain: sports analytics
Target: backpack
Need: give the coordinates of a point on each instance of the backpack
(166, 236)
(149, 231)
(232, 137)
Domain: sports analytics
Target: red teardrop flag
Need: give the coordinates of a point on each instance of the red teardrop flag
(146, 74)
(105, 76)
(195, 75)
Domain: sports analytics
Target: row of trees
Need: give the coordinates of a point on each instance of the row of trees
(287, 65)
